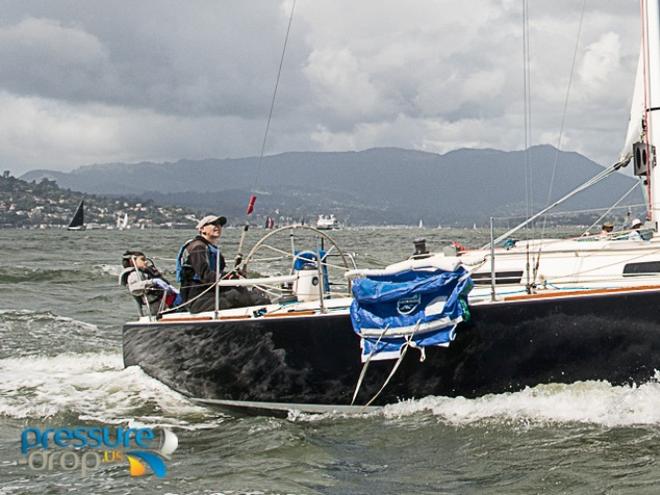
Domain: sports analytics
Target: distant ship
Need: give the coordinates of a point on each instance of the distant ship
(78, 220)
(327, 222)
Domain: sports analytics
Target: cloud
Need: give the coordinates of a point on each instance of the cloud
(601, 60)
(83, 82)
(44, 57)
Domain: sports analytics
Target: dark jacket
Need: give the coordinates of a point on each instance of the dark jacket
(198, 272)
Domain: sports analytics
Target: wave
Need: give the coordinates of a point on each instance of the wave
(93, 387)
(54, 274)
(112, 270)
(26, 333)
(104, 273)
(589, 403)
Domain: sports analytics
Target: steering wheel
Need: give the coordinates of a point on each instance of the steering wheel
(280, 245)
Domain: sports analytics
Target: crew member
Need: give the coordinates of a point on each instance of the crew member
(196, 271)
(635, 234)
(606, 230)
(146, 284)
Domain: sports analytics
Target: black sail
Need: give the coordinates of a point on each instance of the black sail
(78, 220)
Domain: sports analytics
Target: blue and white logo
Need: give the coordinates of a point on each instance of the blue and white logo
(408, 305)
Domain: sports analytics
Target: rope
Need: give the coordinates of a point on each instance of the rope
(404, 349)
(366, 365)
(397, 364)
(186, 303)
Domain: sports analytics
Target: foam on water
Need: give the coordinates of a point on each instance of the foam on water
(112, 270)
(25, 332)
(591, 402)
(93, 387)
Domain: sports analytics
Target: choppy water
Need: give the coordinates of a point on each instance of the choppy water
(60, 365)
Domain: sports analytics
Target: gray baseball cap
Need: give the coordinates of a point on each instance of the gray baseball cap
(208, 219)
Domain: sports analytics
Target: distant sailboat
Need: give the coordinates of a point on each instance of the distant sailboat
(122, 223)
(421, 224)
(270, 223)
(78, 220)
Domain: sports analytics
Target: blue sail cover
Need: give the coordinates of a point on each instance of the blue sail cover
(422, 307)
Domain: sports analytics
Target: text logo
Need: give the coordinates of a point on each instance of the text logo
(85, 449)
(407, 305)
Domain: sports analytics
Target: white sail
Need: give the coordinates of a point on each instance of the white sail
(646, 104)
(634, 133)
(122, 222)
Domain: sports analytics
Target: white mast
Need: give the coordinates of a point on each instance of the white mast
(651, 53)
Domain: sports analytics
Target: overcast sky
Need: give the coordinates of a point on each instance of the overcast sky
(89, 81)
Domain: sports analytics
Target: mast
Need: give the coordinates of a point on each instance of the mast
(651, 55)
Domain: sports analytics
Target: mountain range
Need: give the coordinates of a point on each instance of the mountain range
(375, 186)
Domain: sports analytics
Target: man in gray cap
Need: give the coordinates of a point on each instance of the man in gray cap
(196, 271)
(196, 264)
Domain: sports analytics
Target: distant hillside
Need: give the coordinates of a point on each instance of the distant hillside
(382, 185)
(43, 204)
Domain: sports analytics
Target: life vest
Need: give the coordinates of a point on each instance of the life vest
(153, 296)
(184, 270)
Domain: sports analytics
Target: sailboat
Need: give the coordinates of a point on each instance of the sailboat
(510, 315)
(78, 220)
(122, 222)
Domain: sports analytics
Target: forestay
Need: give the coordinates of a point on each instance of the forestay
(416, 308)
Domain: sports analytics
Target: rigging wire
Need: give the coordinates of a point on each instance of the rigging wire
(564, 111)
(599, 219)
(585, 210)
(594, 180)
(272, 102)
(253, 198)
